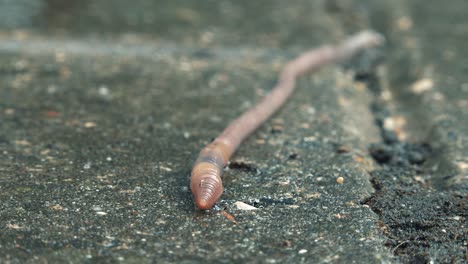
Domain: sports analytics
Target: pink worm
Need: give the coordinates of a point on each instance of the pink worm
(205, 181)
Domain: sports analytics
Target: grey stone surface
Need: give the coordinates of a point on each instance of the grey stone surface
(105, 104)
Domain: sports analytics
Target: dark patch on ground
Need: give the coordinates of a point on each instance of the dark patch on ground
(400, 154)
(293, 156)
(422, 224)
(243, 166)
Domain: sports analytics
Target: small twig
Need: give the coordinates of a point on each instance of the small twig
(206, 184)
(229, 217)
(399, 245)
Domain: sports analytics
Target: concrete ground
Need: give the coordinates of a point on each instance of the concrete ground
(105, 104)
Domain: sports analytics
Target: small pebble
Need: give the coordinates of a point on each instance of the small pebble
(404, 23)
(244, 206)
(87, 166)
(103, 91)
(339, 180)
(422, 85)
(89, 124)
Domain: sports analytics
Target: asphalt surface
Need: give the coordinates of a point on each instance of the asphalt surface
(104, 106)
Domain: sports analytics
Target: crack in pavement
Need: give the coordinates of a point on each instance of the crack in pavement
(422, 224)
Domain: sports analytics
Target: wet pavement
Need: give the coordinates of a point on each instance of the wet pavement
(104, 106)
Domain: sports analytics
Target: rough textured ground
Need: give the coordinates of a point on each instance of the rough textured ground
(105, 104)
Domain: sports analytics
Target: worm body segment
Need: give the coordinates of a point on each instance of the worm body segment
(205, 181)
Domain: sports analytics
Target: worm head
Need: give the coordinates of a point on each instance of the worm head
(206, 185)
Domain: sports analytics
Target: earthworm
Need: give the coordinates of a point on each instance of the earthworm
(205, 180)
